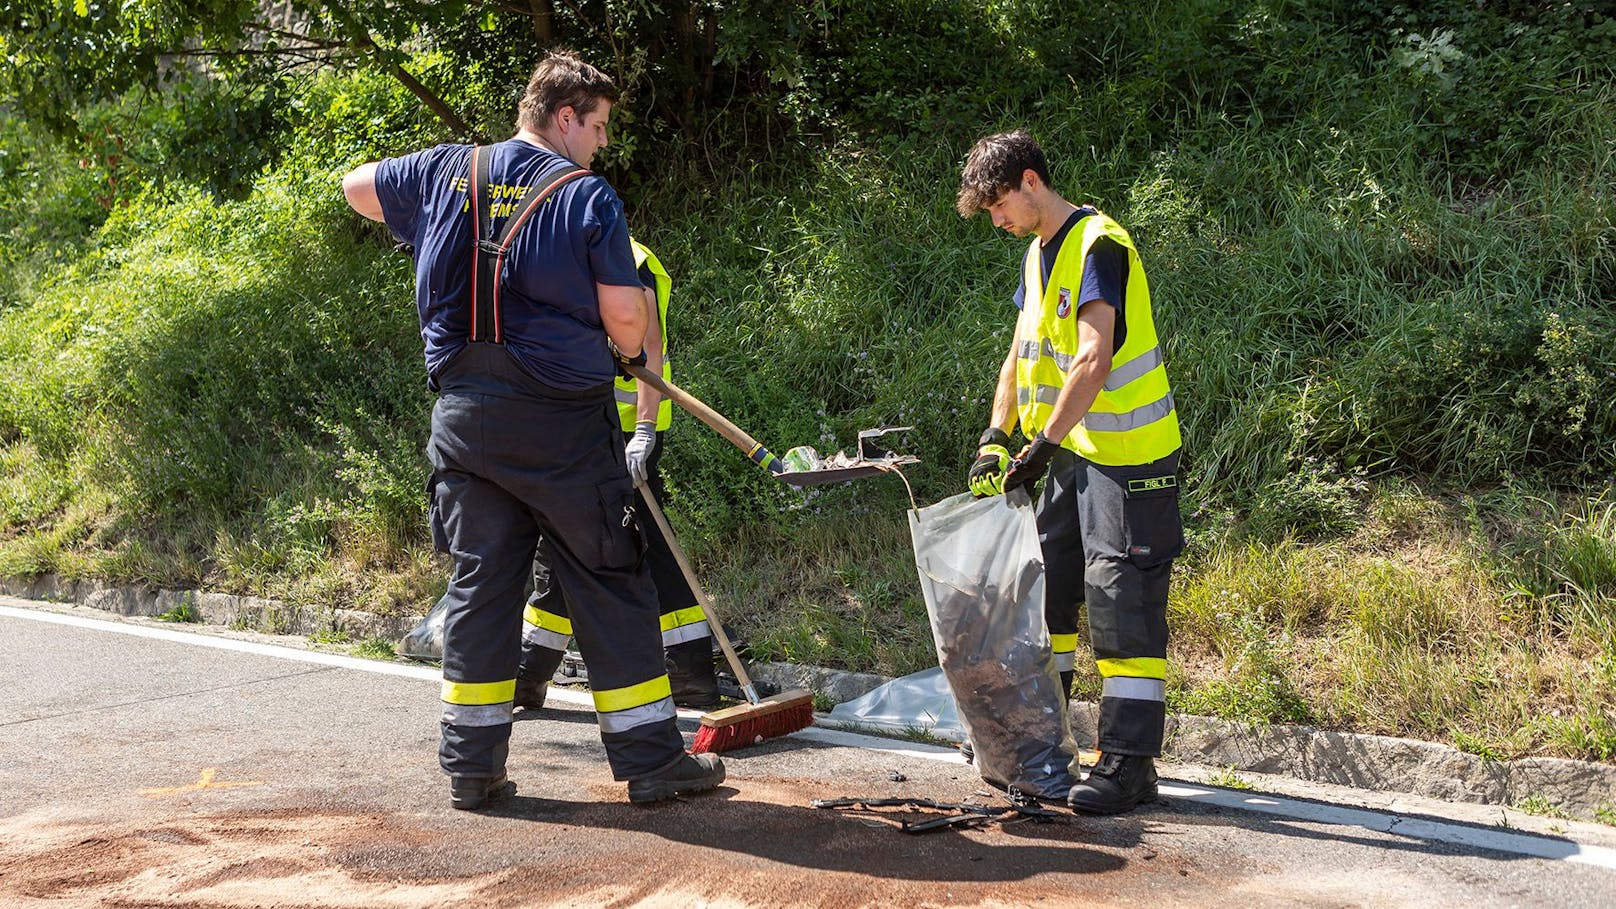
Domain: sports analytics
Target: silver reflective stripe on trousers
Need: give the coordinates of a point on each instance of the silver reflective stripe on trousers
(683, 633)
(544, 637)
(477, 714)
(1133, 369)
(1133, 419)
(1135, 689)
(1065, 661)
(624, 720)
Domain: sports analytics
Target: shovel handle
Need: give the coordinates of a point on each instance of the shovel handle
(751, 447)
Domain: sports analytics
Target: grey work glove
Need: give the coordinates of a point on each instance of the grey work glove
(639, 450)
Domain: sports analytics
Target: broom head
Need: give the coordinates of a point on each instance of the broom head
(750, 724)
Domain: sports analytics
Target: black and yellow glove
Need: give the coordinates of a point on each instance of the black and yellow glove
(986, 477)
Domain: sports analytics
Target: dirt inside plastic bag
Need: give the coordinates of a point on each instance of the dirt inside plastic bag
(981, 571)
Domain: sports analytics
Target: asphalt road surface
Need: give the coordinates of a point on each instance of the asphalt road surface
(147, 766)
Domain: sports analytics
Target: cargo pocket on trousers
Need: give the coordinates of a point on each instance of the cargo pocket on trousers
(434, 517)
(1152, 526)
(622, 542)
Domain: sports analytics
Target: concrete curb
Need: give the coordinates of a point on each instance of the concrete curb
(1372, 762)
(240, 612)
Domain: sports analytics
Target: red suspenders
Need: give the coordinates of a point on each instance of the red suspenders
(488, 249)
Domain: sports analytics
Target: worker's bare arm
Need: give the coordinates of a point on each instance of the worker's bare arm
(622, 311)
(359, 188)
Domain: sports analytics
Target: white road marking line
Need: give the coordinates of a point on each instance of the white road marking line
(1552, 848)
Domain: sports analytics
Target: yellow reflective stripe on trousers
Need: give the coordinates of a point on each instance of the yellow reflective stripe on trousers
(612, 700)
(549, 621)
(544, 637)
(478, 693)
(687, 624)
(1134, 667)
(689, 615)
(622, 709)
(477, 703)
(1064, 647)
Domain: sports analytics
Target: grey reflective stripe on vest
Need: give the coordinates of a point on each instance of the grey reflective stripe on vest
(626, 395)
(1027, 350)
(1133, 419)
(692, 632)
(624, 720)
(1134, 689)
(477, 714)
(1133, 369)
(1047, 394)
(543, 637)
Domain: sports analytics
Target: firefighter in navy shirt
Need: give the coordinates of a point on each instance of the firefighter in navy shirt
(527, 291)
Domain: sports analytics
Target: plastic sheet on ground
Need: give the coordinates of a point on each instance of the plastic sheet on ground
(922, 702)
(982, 573)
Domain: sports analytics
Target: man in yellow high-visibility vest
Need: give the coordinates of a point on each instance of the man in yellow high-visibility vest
(1085, 379)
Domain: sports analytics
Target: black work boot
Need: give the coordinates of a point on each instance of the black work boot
(1118, 783)
(530, 692)
(533, 676)
(468, 793)
(689, 773)
(690, 672)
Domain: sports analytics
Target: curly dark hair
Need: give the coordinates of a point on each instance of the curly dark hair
(560, 80)
(994, 167)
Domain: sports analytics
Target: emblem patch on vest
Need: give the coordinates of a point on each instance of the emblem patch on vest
(1063, 306)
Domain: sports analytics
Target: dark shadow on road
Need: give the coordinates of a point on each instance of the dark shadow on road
(866, 843)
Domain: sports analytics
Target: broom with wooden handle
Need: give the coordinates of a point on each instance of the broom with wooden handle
(759, 718)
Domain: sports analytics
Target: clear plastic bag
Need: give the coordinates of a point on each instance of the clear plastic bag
(982, 573)
(425, 640)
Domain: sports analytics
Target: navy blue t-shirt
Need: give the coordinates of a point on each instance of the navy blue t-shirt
(549, 314)
(1105, 273)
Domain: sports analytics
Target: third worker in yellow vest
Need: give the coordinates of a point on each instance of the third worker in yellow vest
(644, 416)
(1085, 379)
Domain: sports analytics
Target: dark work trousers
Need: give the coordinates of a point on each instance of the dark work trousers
(674, 596)
(1109, 536)
(511, 459)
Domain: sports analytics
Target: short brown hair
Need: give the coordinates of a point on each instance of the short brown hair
(563, 80)
(994, 167)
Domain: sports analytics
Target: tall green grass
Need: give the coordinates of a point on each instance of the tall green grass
(1380, 250)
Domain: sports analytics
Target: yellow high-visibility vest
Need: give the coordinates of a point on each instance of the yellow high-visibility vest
(1133, 420)
(627, 391)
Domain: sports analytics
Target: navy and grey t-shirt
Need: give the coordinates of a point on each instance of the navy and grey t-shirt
(1105, 273)
(549, 314)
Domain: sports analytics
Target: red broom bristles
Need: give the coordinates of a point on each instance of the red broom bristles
(752, 730)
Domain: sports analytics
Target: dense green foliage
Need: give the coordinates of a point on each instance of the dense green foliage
(1379, 238)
